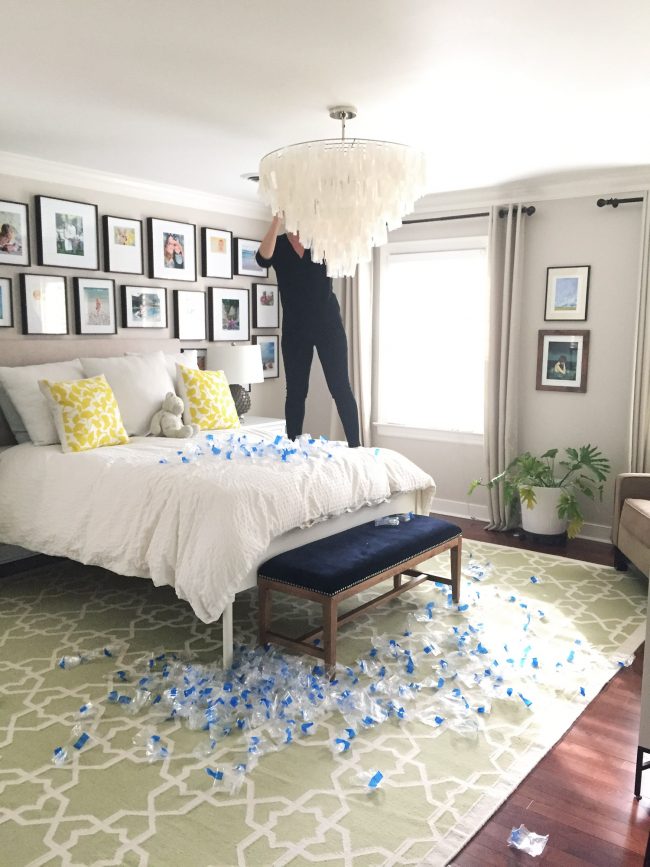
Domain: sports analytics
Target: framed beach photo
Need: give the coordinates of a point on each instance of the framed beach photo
(229, 313)
(566, 292)
(269, 345)
(6, 308)
(266, 305)
(172, 250)
(562, 360)
(216, 253)
(123, 251)
(144, 307)
(67, 234)
(14, 233)
(94, 306)
(43, 304)
(189, 314)
(244, 257)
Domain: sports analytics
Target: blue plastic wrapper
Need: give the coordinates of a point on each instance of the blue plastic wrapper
(526, 841)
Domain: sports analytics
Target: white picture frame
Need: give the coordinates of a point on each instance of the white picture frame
(216, 253)
(144, 307)
(123, 249)
(172, 250)
(229, 313)
(567, 290)
(94, 306)
(67, 234)
(43, 303)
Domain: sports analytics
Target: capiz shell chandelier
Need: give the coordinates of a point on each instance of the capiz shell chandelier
(342, 196)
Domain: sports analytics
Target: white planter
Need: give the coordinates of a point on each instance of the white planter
(542, 518)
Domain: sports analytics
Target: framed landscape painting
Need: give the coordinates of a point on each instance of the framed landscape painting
(123, 251)
(14, 233)
(94, 306)
(566, 293)
(172, 250)
(228, 313)
(245, 261)
(67, 233)
(144, 307)
(562, 360)
(270, 360)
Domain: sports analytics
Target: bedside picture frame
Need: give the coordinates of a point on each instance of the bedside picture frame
(216, 253)
(144, 307)
(189, 314)
(6, 306)
(244, 258)
(562, 361)
(229, 313)
(94, 306)
(123, 250)
(14, 233)
(43, 304)
(266, 305)
(67, 235)
(269, 346)
(567, 291)
(172, 250)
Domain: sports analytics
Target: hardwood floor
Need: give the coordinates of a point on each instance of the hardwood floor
(582, 792)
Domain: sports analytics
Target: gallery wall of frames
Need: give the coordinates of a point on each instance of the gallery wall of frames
(66, 269)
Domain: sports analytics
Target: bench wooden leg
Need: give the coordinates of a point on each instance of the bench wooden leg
(455, 553)
(264, 601)
(397, 580)
(330, 623)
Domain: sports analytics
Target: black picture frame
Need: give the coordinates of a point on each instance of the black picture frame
(244, 263)
(266, 305)
(144, 307)
(123, 244)
(43, 304)
(180, 264)
(67, 233)
(6, 303)
(94, 305)
(222, 325)
(14, 246)
(562, 361)
(270, 357)
(216, 253)
(189, 314)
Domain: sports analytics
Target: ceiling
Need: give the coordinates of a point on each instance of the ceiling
(194, 93)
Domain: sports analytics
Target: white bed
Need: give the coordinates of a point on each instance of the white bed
(201, 526)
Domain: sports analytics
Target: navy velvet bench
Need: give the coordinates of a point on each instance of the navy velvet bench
(333, 569)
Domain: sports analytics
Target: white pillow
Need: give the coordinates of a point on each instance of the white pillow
(139, 383)
(21, 385)
(14, 421)
(189, 358)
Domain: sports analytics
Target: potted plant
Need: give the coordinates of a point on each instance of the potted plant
(550, 489)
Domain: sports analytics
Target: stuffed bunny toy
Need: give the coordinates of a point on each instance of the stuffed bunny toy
(168, 421)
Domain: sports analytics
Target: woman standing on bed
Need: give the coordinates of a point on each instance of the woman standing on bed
(311, 318)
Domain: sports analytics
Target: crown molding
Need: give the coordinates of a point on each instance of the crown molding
(50, 171)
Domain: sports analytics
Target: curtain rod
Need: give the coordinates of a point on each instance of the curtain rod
(616, 202)
(530, 210)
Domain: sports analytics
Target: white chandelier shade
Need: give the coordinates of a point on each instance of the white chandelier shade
(342, 196)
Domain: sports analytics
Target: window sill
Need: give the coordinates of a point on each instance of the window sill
(399, 431)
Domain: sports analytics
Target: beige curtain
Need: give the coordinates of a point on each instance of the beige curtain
(505, 262)
(640, 429)
(355, 298)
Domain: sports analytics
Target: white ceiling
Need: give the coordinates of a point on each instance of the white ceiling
(193, 93)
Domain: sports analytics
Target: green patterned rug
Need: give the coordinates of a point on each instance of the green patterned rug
(550, 633)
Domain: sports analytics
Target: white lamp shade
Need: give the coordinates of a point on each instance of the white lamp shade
(241, 364)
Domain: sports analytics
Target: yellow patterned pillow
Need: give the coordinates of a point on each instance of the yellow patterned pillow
(207, 398)
(85, 413)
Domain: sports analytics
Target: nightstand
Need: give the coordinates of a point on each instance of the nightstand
(269, 427)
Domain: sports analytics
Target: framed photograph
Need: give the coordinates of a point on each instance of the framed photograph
(270, 359)
(562, 360)
(6, 308)
(189, 314)
(216, 253)
(566, 292)
(14, 233)
(228, 313)
(123, 251)
(266, 306)
(201, 353)
(94, 306)
(245, 262)
(67, 234)
(172, 250)
(43, 304)
(144, 307)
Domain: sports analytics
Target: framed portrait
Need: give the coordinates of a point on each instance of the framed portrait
(201, 353)
(266, 305)
(172, 250)
(43, 304)
(6, 308)
(189, 314)
(67, 234)
(144, 307)
(94, 306)
(216, 253)
(228, 313)
(270, 359)
(123, 251)
(14, 233)
(566, 292)
(244, 257)
(562, 360)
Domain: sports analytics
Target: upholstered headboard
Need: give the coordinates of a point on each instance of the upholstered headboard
(15, 351)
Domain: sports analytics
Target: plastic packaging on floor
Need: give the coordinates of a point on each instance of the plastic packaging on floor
(526, 841)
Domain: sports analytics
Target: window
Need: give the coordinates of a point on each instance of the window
(433, 326)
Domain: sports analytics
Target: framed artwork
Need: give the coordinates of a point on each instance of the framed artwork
(270, 360)
(566, 292)
(266, 306)
(67, 234)
(123, 251)
(43, 304)
(172, 250)
(228, 313)
(14, 233)
(562, 360)
(216, 253)
(94, 306)
(6, 308)
(201, 353)
(144, 307)
(245, 262)
(189, 314)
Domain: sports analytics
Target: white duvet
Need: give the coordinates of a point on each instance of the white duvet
(199, 526)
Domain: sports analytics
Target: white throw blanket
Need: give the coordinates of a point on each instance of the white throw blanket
(199, 526)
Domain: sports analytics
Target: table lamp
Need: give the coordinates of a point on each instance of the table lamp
(241, 364)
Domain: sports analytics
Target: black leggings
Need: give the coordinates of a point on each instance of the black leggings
(298, 342)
